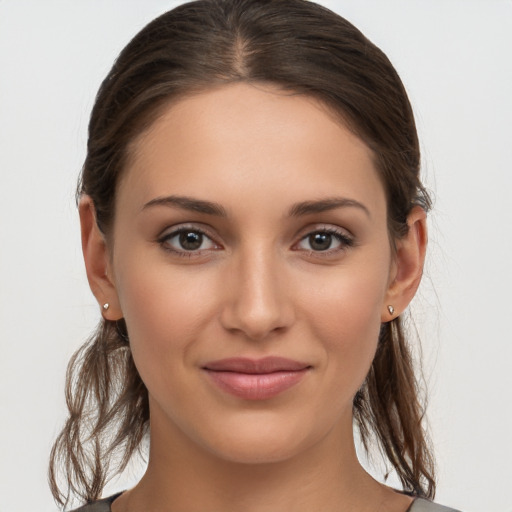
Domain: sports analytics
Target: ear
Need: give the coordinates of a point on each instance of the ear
(97, 261)
(408, 265)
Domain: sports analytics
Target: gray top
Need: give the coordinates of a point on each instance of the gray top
(418, 505)
(421, 505)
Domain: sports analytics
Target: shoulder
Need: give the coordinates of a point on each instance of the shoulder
(421, 505)
(98, 506)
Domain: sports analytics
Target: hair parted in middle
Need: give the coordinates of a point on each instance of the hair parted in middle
(302, 48)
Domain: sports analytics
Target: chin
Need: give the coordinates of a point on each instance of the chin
(261, 441)
(257, 450)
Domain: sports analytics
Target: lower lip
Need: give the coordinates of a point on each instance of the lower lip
(256, 386)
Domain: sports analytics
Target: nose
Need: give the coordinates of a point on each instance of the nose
(257, 296)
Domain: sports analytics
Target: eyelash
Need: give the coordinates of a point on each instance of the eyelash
(163, 241)
(344, 240)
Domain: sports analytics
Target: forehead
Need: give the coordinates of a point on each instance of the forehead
(252, 139)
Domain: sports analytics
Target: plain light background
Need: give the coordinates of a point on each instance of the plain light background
(454, 57)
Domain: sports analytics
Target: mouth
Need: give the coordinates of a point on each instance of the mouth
(256, 379)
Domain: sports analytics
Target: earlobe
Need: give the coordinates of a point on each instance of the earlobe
(408, 265)
(97, 262)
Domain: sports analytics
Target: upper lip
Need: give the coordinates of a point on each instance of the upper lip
(256, 366)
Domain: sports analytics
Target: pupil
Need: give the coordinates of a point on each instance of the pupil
(190, 240)
(320, 241)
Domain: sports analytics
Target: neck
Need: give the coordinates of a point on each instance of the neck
(183, 476)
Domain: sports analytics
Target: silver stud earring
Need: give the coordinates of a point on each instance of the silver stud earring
(106, 306)
(391, 309)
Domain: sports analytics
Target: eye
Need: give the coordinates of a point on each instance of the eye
(325, 240)
(187, 240)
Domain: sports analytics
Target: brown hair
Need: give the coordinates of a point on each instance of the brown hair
(303, 48)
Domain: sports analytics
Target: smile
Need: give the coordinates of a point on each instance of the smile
(252, 379)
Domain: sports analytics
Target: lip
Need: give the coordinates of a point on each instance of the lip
(256, 379)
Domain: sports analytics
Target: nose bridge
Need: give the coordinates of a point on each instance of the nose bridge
(257, 303)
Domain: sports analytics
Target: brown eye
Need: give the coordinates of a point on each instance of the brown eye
(190, 240)
(327, 240)
(186, 240)
(320, 241)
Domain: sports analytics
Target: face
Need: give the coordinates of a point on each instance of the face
(251, 261)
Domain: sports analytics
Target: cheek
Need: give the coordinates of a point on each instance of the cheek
(164, 310)
(346, 316)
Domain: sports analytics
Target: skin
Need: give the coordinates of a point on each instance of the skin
(256, 287)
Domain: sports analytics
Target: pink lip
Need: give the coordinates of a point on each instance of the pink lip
(256, 379)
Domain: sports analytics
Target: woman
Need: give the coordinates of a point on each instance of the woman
(253, 226)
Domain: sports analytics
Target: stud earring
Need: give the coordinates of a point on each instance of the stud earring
(106, 306)
(391, 309)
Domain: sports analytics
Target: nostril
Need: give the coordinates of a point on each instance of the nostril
(256, 324)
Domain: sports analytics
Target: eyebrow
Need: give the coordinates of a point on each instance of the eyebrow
(323, 205)
(297, 210)
(188, 203)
